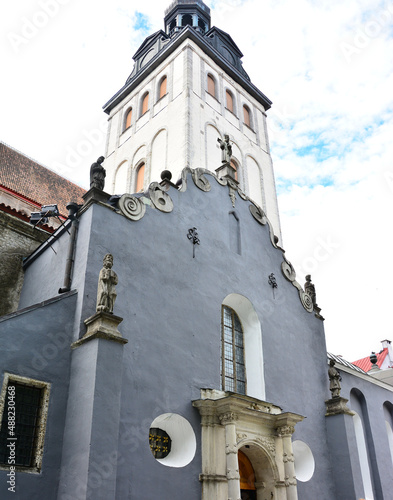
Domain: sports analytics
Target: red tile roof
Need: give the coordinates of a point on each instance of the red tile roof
(365, 363)
(26, 177)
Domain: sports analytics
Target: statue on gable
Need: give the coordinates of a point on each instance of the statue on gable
(334, 377)
(97, 174)
(309, 288)
(226, 149)
(106, 293)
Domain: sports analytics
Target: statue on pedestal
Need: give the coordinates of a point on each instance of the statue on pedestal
(226, 149)
(334, 377)
(106, 292)
(97, 174)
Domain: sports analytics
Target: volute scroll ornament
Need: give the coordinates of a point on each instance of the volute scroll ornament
(132, 207)
(285, 430)
(258, 214)
(306, 301)
(200, 180)
(160, 199)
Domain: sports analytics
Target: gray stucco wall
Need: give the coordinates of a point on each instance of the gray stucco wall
(171, 305)
(35, 344)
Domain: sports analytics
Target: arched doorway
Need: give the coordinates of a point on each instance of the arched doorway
(247, 477)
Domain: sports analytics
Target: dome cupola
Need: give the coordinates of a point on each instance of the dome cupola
(182, 13)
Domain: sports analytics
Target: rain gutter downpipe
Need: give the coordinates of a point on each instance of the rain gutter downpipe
(72, 211)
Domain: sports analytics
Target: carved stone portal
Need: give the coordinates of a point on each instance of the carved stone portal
(230, 423)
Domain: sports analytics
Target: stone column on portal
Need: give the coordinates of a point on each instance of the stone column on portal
(285, 432)
(233, 476)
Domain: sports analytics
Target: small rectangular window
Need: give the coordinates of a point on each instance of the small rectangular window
(23, 410)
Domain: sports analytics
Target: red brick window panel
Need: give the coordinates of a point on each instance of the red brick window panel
(229, 101)
(211, 85)
(140, 178)
(247, 115)
(163, 87)
(145, 103)
(127, 123)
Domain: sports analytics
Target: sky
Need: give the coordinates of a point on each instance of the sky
(327, 66)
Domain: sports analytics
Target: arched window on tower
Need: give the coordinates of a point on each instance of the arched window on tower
(211, 85)
(233, 371)
(140, 177)
(229, 100)
(145, 104)
(247, 116)
(234, 165)
(186, 20)
(163, 86)
(128, 117)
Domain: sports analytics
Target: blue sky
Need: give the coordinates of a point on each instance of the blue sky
(327, 67)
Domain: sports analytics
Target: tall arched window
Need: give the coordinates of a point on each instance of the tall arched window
(247, 115)
(145, 103)
(211, 85)
(233, 371)
(229, 100)
(140, 177)
(162, 87)
(127, 121)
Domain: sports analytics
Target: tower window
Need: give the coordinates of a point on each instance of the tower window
(229, 100)
(211, 85)
(145, 103)
(186, 20)
(202, 25)
(172, 26)
(26, 402)
(247, 115)
(163, 86)
(233, 372)
(128, 117)
(140, 178)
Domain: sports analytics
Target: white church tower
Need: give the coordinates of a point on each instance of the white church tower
(187, 89)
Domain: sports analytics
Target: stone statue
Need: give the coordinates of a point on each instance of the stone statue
(309, 288)
(226, 149)
(97, 174)
(334, 377)
(106, 293)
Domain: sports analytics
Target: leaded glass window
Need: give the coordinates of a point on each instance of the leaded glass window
(160, 442)
(233, 371)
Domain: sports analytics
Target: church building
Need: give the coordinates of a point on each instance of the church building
(163, 346)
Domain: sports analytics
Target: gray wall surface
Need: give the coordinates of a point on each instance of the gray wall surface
(35, 344)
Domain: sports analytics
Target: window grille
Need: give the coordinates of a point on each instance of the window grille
(28, 408)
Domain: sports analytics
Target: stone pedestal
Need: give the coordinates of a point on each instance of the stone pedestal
(101, 325)
(96, 195)
(337, 406)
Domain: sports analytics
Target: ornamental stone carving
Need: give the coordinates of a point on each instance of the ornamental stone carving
(233, 474)
(132, 207)
(288, 457)
(227, 418)
(285, 430)
(306, 301)
(268, 442)
(200, 180)
(258, 214)
(231, 449)
(160, 199)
